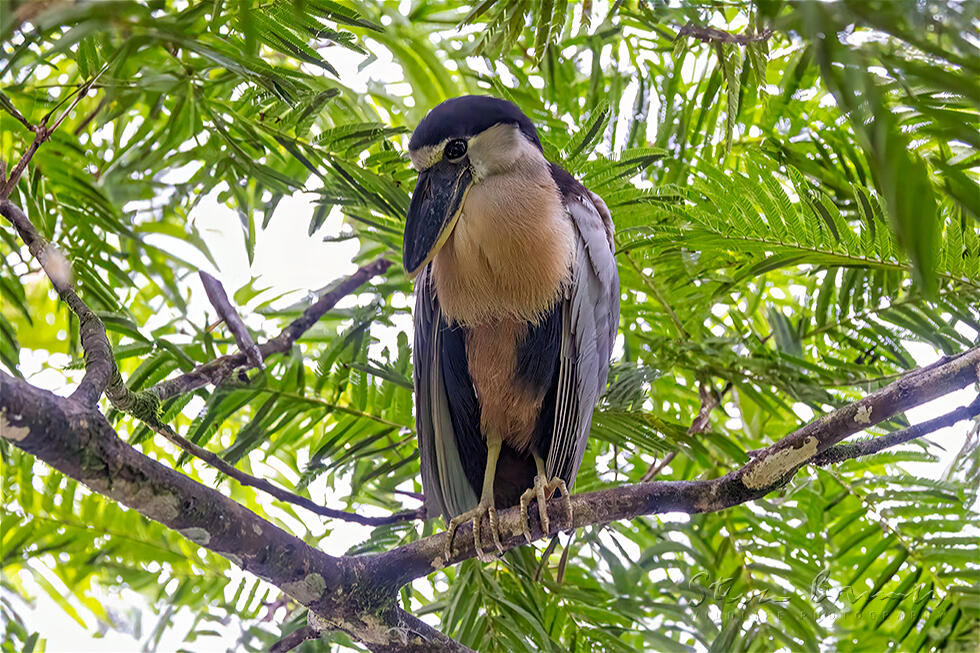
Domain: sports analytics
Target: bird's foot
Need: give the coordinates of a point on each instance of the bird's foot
(476, 514)
(542, 491)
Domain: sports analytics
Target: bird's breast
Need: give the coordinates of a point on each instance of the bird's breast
(508, 408)
(511, 252)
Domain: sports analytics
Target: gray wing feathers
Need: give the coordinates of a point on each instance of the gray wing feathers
(447, 491)
(588, 334)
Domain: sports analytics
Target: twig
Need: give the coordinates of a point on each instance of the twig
(657, 467)
(224, 467)
(712, 35)
(217, 370)
(272, 606)
(418, 496)
(709, 401)
(41, 133)
(91, 116)
(219, 299)
(294, 639)
(12, 110)
(842, 452)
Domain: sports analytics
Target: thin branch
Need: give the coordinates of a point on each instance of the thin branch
(41, 134)
(102, 375)
(216, 371)
(842, 452)
(91, 116)
(657, 467)
(219, 299)
(100, 367)
(12, 110)
(418, 496)
(710, 399)
(294, 639)
(712, 35)
(243, 478)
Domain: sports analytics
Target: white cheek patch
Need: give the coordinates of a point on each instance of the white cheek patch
(495, 150)
(427, 156)
(491, 151)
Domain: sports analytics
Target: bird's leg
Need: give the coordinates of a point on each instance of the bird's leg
(484, 507)
(542, 491)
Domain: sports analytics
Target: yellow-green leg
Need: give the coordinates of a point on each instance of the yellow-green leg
(542, 491)
(484, 507)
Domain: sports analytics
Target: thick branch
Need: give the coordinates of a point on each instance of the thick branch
(841, 452)
(77, 440)
(357, 594)
(219, 299)
(214, 372)
(769, 470)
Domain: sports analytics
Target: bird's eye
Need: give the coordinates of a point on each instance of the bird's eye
(455, 149)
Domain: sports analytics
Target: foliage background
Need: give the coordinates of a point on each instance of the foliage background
(796, 215)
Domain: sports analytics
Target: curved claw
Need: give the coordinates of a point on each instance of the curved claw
(542, 491)
(476, 514)
(495, 530)
(563, 489)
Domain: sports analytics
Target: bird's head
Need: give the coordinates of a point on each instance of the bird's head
(459, 143)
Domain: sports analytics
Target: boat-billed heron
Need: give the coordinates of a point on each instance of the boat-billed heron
(516, 312)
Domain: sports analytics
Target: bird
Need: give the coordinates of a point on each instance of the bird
(516, 315)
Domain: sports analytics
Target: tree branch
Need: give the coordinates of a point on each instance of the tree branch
(102, 375)
(216, 371)
(228, 469)
(357, 594)
(712, 35)
(12, 110)
(219, 299)
(41, 133)
(841, 452)
(77, 440)
(771, 469)
(100, 366)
